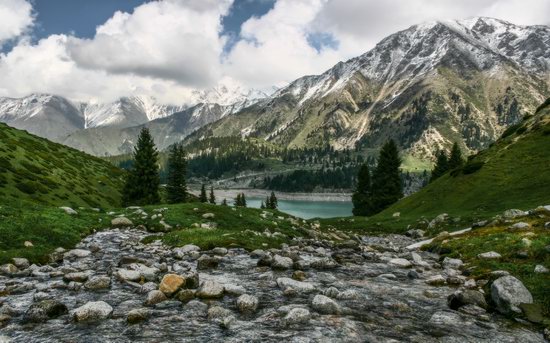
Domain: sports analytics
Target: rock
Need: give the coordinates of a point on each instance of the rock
(299, 286)
(207, 262)
(400, 262)
(98, 282)
(453, 263)
(8, 269)
(508, 293)
(128, 275)
(28, 244)
(323, 263)
(184, 250)
(218, 312)
(247, 303)
(77, 277)
(491, 255)
(44, 310)
(348, 294)
(68, 210)
(499, 273)
(137, 315)
(436, 280)
(413, 274)
(210, 289)
(219, 251)
(186, 295)
(325, 305)
(208, 215)
(171, 283)
(280, 262)
(77, 253)
(466, 297)
(520, 226)
(234, 289)
(121, 222)
(297, 315)
(331, 292)
(396, 214)
(299, 275)
(415, 233)
(437, 220)
(191, 279)
(92, 311)
(541, 269)
(21, 263)
(514, 213)
(154, 297)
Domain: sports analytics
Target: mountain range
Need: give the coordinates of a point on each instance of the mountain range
(426, 87)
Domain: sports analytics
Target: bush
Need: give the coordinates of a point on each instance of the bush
(26, 187)
(472, 166)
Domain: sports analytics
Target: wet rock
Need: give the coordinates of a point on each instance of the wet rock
(325, 305)
(77, 277)
(413, 274)
(466, 297)
(265, 260)
(171, 283)
(186, 295)
(490, 255)
(219, 251)
(280, 262)
(299, 286)
(77, 253)
(247, 303)
(121, 222)
(331, 292)
(210, 289)
(436, 280)
(98, 282)
(8, 269)
(257, 253)
(148, 273)
(400, 262)
(180, 253)
(232, 289)
(128, 275)
(195, 308)
(137, 315)
(191, 279)
(92, 311)
(21, 263)
(154, 297)
(296, 316)
(323, 263)
(299, 275)
(44, 310)
(207, 262)
(508, 293)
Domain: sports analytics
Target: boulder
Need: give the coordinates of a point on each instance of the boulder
(247, 303)
(137, 315)
(280, 262)
(453, 263)
(490, 255)
(128, 275)
(21, 263)
(400, 262)
(186, 295)
(514, 213)
(210, 289)
(299, 286)
(92, 311)
(77, 276)
(219, 251)
(184, 250)
(508, 293)
(297, 315)
(207, 262)
(121, 222)
(8, 269)
(154, 297)
(98, 282)
(466, 297)
(171, 283)
(436, 280)
(539, 268)
(325, 305)
(77, 253)
(520, 226)
(44, 310)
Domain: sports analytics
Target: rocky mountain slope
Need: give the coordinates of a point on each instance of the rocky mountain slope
(426, 87)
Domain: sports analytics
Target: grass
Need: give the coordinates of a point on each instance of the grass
(50, 227)
(35, 170)
(507, 243)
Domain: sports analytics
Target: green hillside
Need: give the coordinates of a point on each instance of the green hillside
(37, 170)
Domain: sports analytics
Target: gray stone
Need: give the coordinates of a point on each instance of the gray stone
(508, 293)
(154, 297)
(77, 277)
(453, 263)
(400, 262)
(208, 215)
(297, 315)
(325, 305)
(490, 255)
(8, 269)
(539, 268)
(77, 253)
(21, 263)
(68, 210)
(92, 311)
(210, 289)
(44, 310)
(299, 286)
(247, 303)
(137, 315)
(514, 213)
(520, 226)
(280, 262)
(466, 297)
(207, 262)
(121, 222)
(98, 282)
(128, 275)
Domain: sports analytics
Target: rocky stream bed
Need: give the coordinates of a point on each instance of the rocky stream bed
(113, 288)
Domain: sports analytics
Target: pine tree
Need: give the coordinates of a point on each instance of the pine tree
(267, 202)
(238, 201)
(441, 165)
(273, 203)
(143, 181)
(361, 198)
(455, 160)
(387, 186)
(176, 187)
(212, 197)
(224, 202)
(243, 200)
(262, 206)
(203, 197)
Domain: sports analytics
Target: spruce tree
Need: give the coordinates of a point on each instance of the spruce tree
(212, 197)
(176, 187)
(441, 165)
(455, 160)
(224, 202)
(203, 197)
(361, 198)
(387, 186)
(238, 201)
(243, 200)
(273, 203)
(262, 206)
(143, 181)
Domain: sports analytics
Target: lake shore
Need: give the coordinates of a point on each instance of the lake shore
(230, 194)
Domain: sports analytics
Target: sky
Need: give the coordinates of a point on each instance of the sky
(104, 49)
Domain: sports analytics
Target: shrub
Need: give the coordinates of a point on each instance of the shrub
(472, 166)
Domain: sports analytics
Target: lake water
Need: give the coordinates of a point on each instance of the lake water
(307, 209)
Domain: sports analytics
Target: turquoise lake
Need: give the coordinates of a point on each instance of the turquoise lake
(307, 209)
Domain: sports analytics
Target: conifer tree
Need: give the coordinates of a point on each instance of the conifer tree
(361, 198)
(238, 201)
(262, 206)
(224, 202)
(176, 187)
(441, 165)
(387, 186)
(143, 181)
(455, 160)
(212, 197)
(267, 202)
(203, 197)
(273, 203)
(243, 200)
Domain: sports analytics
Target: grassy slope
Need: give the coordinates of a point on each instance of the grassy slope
(33, 169)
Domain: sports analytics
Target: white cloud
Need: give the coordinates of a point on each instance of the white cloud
(170, 48)
(16, 18)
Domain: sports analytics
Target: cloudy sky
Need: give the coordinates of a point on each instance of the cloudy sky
(103, 49)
